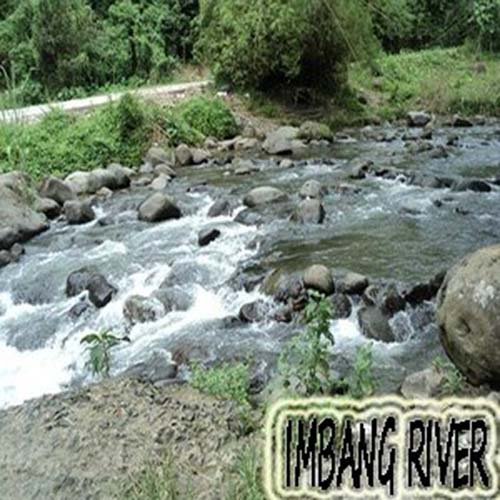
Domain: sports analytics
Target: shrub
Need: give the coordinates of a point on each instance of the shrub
(99, 347)
(269, 43)
(248, 483)
(362, 383)
(210, 117)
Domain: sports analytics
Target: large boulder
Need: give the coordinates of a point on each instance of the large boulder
(310, 212)
(312, 189)
(157, 367)
(183, 155)
(423, 384)
(469, 315)
(375, 325)
(263, 196)
(157, 208)
(315, 131)
(85, 279)
(57, 190)
(418, 118)
(158, 156)
(283, 140)
(352, 283)
(219, 208)
(121, 177)
(319, 278)
(207, 236)
(18, 221)
(48, 207)
(83, 182)
(78, 212)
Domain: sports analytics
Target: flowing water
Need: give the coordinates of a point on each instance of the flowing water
(384, 229)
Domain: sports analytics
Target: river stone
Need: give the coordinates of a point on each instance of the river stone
(200, 156)
(121, 176)
(85, 279)
(207, 236)
(418, 118)
(50, 208)
(264, 195)
(5, 258)
(57, 190)
(83, 182)
(310, 211)
(164, 169)
(244, 167)
(460, 121)
(254, 312)
(17, 251)
(281, 141)
(156, 368)
(375, 325)
(138, 309)
(315, 131)
(183, 155)
(220, 207)
(158, 156)
(319, 278)
(341, 306)
(248, 217)
(18, 221)
(160, 183)
(476, 185)
(159, 208)
(469, 315)
(78, 212)
(174, 298)
(352, 283)
(424, 384)
(312, 189)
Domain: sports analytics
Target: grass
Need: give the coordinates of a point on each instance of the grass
(444, 81)
(119, 132)
(248, 482)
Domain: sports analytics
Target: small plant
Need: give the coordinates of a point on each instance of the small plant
(305, 359)
(248, 483)
(231, 382)
(99, 347)
(157, 483)
(362, 383)
(454, 381)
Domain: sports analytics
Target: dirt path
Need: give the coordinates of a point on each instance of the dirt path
(159, 93)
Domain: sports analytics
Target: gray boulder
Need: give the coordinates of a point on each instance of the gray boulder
(85, 279)
(220, 207)
(312, 189)
(375, 324)
(8, 236)
(460, 121)
(47, 207)
(424, 384)
(476, 185)
(341, 306)
(57, 190)
(263, 196)
(418, 118)
(160, 183)
(207, 236)
(183, 155)
(315, 131)
(284, 140)
(83, 182)
(157, 367)
(200, 156)
(319, 278)
(138, 309)
(120, 175)
(78, 212)
(310, 212)
(254, 312)
(469, 315)
(352, 283)
(158, 156)
(5, 258)
(159, 208)
(164, 169)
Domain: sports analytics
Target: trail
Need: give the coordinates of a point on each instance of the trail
(159, 94)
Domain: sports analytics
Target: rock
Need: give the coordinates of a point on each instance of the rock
(83, 183)
(310, 212)
(18, 221)
(469, 315)
(121, 177)
(79, 309)
(57, 190)
(352, 283)
(200, 156)
(160, 183)
(312, 189)
(375, 325)
(174, 298)
(475, 185)
(48, 207)
(319, 278)
(281, 141)
(183, 155)
(159, 156)
(286, 163)
(104, 178)
(138, 309)
(5, 258)
(244, 167)
(246, 143)
(460, 121)
(264, 195)
(439, 152)
(254, 312)
(85, 279)
(156, 368)
(422, 292)
(78, 212)
(16, 251)
(425, 384)
(358, 170)
(164, 169)
(159, 208)
(146, 169)
(207, 236)
(418, 118)
(341, 306)
(248, 218)
(220, 207)
(7, 238)
(311, 130)
(104, 193)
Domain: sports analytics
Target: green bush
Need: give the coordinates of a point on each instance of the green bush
(210, 117)
(271, 43)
